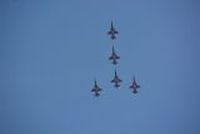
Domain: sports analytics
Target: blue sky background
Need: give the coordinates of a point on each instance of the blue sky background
(51, 51)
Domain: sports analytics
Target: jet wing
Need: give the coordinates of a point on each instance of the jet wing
(131, 87)
(138, 86)
(119, 80)
(117, 57)
(116, 32)
(93, 90)
(99, 89)
(111, 57)
(109, 32)
(113, 81)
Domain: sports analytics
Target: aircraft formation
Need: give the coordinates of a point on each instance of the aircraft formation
(116, 81)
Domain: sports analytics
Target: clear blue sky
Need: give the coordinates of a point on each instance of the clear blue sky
(51, 51)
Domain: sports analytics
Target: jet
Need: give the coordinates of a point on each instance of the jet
(116, 80)
(114, 57)
(134, 86)
(96, 89)
(112, 31)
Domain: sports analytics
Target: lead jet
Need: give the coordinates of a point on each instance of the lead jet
(134, 86)
(116, 80)
(114, 57)
(96, 89)
(112, 31)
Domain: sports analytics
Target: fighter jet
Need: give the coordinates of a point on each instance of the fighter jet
(116, 80)
(96, 89)
(114, 57)
(112, 31)
(134, 86)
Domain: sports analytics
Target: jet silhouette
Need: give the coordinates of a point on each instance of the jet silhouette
(134, 86)
(96, 89)
(112, 31)
(116, 80)
(114, 57)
